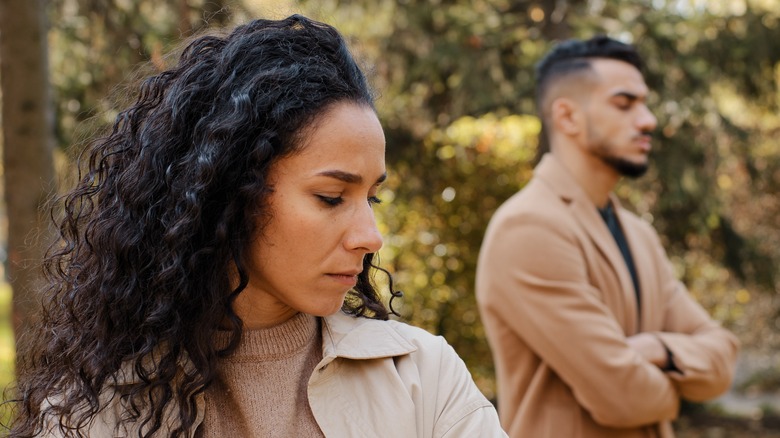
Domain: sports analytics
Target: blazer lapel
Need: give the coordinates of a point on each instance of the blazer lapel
(586, 213)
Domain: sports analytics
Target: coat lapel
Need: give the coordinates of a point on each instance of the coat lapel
(585, 212)
(349, 375)
(356, 338)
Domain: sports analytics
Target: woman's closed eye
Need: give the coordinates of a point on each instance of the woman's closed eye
(331, 201)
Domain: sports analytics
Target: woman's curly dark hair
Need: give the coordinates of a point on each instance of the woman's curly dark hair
(139, 278)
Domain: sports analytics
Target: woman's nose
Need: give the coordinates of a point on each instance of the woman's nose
(364, 234)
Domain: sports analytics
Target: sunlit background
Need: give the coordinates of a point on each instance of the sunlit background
(455, 95)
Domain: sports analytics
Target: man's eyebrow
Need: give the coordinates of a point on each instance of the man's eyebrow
(349, 178)
(630, 96)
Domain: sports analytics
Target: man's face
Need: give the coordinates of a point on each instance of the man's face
(618, 121)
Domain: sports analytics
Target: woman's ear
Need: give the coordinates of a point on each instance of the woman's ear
(567, 116)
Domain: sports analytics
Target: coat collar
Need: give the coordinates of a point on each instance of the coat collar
(343, 335)
(361, 338)
(560, 181)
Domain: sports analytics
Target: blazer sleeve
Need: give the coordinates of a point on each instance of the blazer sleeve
(704, 353)
(462, 410)
(534, 278)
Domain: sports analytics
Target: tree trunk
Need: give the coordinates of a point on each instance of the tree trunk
(28, 139)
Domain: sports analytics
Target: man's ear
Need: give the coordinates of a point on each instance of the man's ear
(567, 116)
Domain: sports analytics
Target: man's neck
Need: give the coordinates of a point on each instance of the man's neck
(595, 177)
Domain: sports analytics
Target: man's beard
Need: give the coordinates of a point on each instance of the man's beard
(625, 167)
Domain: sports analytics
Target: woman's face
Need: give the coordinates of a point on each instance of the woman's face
(308, 255)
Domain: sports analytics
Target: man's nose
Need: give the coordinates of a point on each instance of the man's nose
(646, 121)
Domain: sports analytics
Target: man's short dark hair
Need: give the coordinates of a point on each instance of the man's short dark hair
(573, 55)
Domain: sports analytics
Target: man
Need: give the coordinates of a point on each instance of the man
(591, 333)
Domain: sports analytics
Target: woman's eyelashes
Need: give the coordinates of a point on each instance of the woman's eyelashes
(333, 201)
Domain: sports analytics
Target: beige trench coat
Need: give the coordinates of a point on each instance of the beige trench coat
(558, 303)
(378, 379)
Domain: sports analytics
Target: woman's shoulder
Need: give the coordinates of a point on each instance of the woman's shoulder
(362, 338)
(416, 335)
(359, 337)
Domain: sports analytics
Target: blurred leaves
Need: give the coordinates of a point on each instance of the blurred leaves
(96, 45)
(435, 222)
(452, 72)
(455, 79)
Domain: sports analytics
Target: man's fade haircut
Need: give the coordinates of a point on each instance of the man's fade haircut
(574, 55)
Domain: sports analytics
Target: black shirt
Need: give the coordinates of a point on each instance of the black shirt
(608, 214)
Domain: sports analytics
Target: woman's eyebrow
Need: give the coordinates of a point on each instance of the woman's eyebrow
(347, 177)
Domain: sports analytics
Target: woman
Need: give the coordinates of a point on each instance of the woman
(213, 275)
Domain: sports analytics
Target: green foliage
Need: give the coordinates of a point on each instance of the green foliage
(441, 65)
(96, 45)
(455, 79)
(7, 353)
(435, 229)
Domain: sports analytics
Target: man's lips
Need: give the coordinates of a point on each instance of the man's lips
(644, 142)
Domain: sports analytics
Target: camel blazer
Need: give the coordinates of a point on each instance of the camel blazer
(558, 303)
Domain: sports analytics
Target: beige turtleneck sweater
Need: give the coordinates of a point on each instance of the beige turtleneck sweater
(260, 390)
